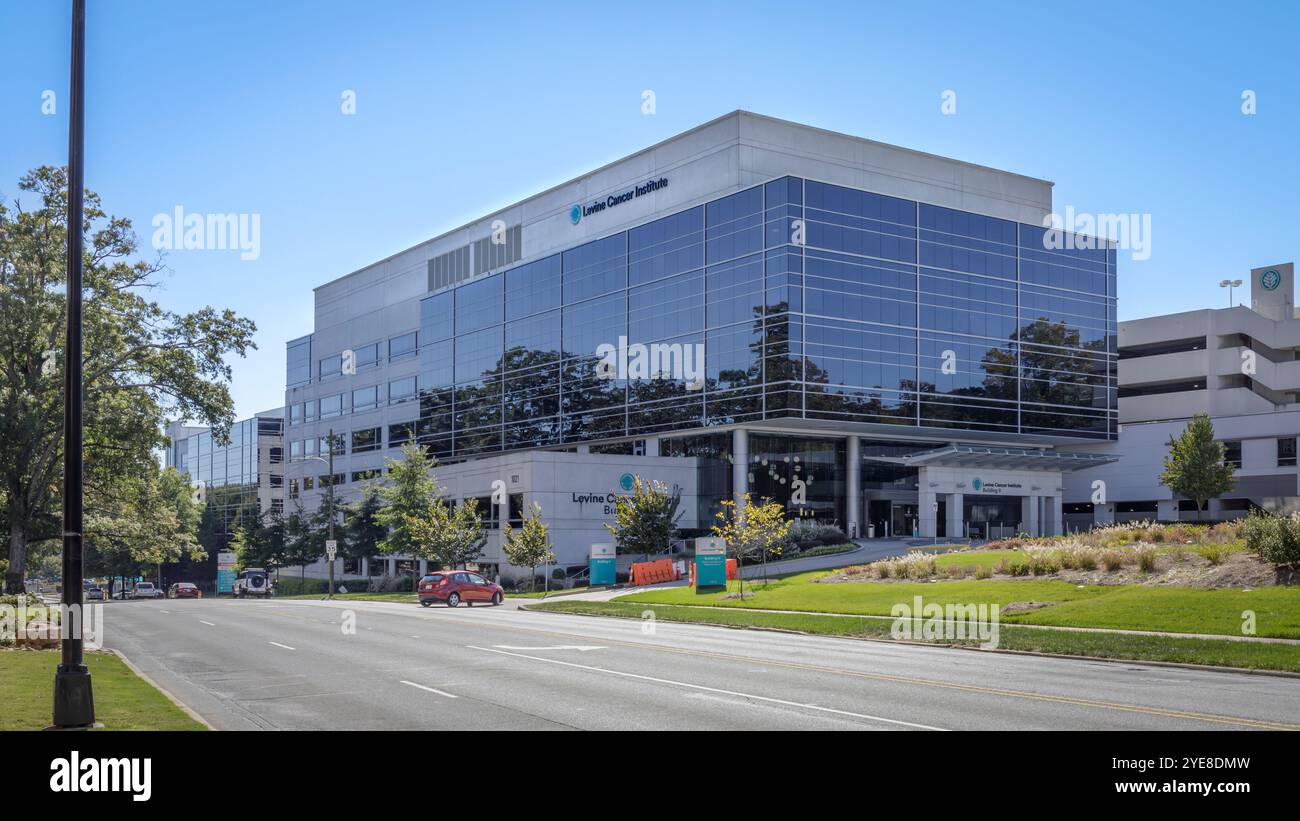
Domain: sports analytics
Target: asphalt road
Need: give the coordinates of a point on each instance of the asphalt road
(283, 664)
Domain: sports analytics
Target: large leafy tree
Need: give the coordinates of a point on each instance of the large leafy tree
(1195, 467)
(142, 522)
(142, 364)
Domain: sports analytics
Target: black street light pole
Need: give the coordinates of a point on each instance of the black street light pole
(331, 537)
(74, 703)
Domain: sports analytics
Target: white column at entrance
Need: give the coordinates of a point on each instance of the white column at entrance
(652, 446)
(1029, 515)
(424, 566)
(854, 487)
(926, 501)
(1058, 522)
(956, 520)
(390, 566)
(739, 467)
(365, 568)
(503, 515)
(1104, 514)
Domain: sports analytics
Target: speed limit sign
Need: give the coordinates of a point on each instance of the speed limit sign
(331, 549)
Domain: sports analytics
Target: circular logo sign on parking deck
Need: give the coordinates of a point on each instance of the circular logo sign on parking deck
(627, 481)
(1270, 279)
(978, 484)
(575, 214)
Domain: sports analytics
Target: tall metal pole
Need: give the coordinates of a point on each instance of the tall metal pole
(330, 559)
(74, 703)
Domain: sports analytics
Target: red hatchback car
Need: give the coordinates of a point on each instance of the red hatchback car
(455, 586)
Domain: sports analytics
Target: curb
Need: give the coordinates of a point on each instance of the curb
(1182, 665)
(185, 708)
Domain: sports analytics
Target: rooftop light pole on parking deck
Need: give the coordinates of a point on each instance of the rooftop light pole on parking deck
(74, 703)
(1230, 284)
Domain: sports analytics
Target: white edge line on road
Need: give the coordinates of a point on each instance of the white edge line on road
(208, 623)
(430, 689)
(278, 644)
(711, 689)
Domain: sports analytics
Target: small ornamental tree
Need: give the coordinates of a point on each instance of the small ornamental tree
(646, 520)
(530, 545)
(1195, 467)
(753, 530)
(451, 537)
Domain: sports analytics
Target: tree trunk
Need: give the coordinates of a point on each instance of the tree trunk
(17, 551)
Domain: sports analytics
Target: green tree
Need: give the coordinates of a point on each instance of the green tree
(142, 364)
(362, 530)
(530, 545)
(465, 535)
(451, 537)
(413, 503)
(1195, 467)
(304, 537)
(645, 521)
(146, 521)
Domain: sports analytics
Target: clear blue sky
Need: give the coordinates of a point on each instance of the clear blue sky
(462, 108)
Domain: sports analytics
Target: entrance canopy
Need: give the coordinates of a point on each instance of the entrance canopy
(982, 456)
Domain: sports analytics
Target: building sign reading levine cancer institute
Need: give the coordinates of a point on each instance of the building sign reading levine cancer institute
(996, 488)
(579, 211)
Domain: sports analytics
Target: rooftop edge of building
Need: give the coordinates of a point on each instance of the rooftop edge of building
(740, 116)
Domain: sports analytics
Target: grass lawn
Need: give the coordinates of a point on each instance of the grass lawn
(1123, 607)
(123, 700)
(1101, 645)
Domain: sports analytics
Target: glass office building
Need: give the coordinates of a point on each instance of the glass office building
(239, 478)
(845, 331)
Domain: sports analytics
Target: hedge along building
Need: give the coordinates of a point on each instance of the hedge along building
(890, 340)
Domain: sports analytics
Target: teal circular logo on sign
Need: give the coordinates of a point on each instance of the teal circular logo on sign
(1270, 279)
(627, 481)
(575, 214)
(978, 484)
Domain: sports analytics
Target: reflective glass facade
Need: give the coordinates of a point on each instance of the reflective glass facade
(233, 483)
(813, 301)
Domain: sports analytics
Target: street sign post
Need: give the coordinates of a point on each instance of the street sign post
(710, 562)
(601, 565)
